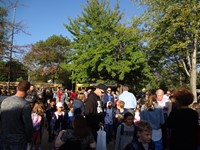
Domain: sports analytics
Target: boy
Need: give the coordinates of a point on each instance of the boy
(142, 140)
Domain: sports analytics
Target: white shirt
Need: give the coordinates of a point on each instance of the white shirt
(129, 99)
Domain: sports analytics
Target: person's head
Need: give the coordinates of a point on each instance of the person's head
(128, 118)
(81, 96)
(120, 104)
(109, 104)
(38, 108)
(80, 126)
(125, 88)
(109, 90)
(150, 101)
(71, 106)
(147, 94)
(32, 87)
(59, 106)
(183, 97)
(144, 131)
(168, 93)
(159, 94)
(52, 102)
(100, 89)
(23, 88)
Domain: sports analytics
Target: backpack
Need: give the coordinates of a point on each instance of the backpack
(37, 121)
(122, 129)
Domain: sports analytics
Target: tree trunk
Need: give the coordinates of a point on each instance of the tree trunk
(193, 76)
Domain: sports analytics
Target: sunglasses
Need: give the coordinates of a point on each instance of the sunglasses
(102, 91)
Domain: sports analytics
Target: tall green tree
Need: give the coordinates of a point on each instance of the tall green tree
(106, 49)
(45, 57)
(173, 30)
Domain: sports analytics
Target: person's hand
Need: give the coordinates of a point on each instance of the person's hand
(100, 124)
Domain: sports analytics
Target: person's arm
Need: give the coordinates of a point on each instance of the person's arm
(58, 141)
(27, 120)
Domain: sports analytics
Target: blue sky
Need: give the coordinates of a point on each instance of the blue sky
(44, 18)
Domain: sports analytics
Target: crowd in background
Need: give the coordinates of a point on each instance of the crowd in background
(153, 121)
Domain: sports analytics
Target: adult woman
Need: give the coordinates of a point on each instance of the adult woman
(79, 138)
(153, 113)
(183, 122)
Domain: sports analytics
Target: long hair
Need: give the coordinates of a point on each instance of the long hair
(150, 102)
(38, 108)
(80, 126)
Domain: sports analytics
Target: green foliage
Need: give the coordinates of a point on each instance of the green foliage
(18, 70)
(172, 33)
(44, 58)
(104, 48)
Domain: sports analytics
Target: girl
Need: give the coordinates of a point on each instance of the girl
(125, 131)
(79, 138)
(37, 118)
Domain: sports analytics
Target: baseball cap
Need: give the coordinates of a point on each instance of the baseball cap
(59, 104)
(102, 87)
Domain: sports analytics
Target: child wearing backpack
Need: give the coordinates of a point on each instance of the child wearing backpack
(37, 119)
(125, 131)
(142, 140)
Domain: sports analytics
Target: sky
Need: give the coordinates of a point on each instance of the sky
(44, 18)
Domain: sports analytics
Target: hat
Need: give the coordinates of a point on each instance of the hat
(102, 87)
(59, 104)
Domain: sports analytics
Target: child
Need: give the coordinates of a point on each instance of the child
(119, 115)
(125, 131)
(49, 114)
(143, 140)
(59, 120)
(37, 118)
(70, 116)
(109, 121)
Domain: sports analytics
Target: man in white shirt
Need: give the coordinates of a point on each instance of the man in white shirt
(129, 99)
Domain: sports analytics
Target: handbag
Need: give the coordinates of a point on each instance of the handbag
(101, 139)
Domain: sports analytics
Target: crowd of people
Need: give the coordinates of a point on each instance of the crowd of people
(148, 121)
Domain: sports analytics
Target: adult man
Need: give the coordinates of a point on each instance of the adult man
(129, 99)
(31, 96)
(16, 122)
(92, 109)
(162, 101)
(110, 95)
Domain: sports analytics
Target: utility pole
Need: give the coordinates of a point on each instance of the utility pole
(11, 47)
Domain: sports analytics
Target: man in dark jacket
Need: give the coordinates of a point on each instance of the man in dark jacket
(16, 122)
(93, 109)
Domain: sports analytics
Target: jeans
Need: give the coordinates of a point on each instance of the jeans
(158, 145)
